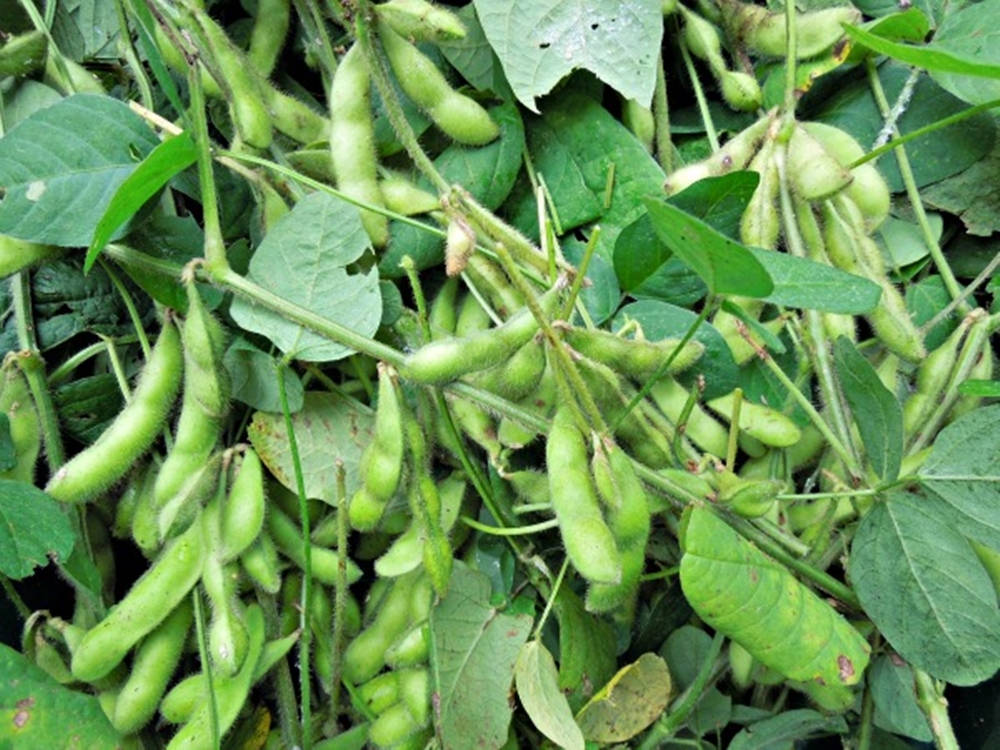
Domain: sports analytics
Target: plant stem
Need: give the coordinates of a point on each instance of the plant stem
(510, 531)
(791, 56)
(340, 593)
(985, 275)
(661, 119)
(206, 668)
(551, 598)
(215, 246)
(671, 722)
(867, 717)
(935, 708)
(940, 262)
(581, 271)
(699, 95)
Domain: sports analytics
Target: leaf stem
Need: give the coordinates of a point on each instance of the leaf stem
(215, 246)
(935, 708)
(510, 531)
(199, 625)
(551, 598)
(940, 262)
(699, 95)
(661, 119)
(340, 593)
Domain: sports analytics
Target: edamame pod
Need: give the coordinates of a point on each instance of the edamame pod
(765, 32)
(458, 116)
(325, 562)
(16, 255)
(242, 516)
(767, 425)
(260, 561)
(22, 420)
(635, 358)
(589, 542)
(671, 398)
(267, 37)
(132, 431)
(148, 602)
(813, 173)
(421, 20)
(365, 655)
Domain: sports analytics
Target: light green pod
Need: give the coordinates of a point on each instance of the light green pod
(380, 692)
(131, 433)
(635, 358)
(813, 172)
(242, 516)
(765, 32)
(740, 90)
(148, 602)
(352, 141)
(458, 116)
(395, 725)
(410, 649)
(365, 655)
(760, 224)
(588, 540)
(761, 422)
(22, 419)
(702, 40)
(154, 664)
(287, 539)
(267, 37)
(400, 195)
(260, 562)
(421, 20)
(518, 376)
(671, 398)
(639, 119)
(16, 255)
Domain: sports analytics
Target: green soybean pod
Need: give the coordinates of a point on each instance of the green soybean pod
(760, 223)
(365, 655)
(204, 341)
(148, 602)
(242, 516)
(325, 562)
(629, 520)
(492, 281)
(140, 485)
(246, 105)
(180, 702)
(260, 562)
(393, 726)
(702, 39)
(410, 649)
(267, 37)
(671, 398)
(757, 603)
(415, 691)
(639, 119)
(516, 378)
(227, 634)
(443, 314)
(352, 141)
(740, 90)
(589, 543)
(131, 433)
(402, 196)
(22, 419)
(230, 694)
(634, 358)
(155, 660)
(421, 20)
(456, 115)
(381, 463)
(767, 425)
(442, 361)
(380, 692)
(813, 172)
(16, 255)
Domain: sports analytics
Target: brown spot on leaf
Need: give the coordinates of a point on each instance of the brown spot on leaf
(845, 667)
(897, 660)
(754, 575)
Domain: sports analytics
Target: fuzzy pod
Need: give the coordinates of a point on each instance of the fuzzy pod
(458, 116)
(702, 40)
(763, 423)
(352, 141)
(701, 427)
(22, 419)
(635, 358)
(155, 661)
(443, 314)
(492, 281)
(242, 516)
(460, 243)
(740, 90)
(813, 172)
(639, 119)
(765, 32)
(131, 433)
(287, 539)
(400, 195)
(760, 224)
(421, 20)
(365, 655)
(260, 562)
(150, 600)
(517, 377)
(267, 36)
(589, 542)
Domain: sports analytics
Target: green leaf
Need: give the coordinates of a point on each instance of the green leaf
(972, 194)
(940, 154)
(930, 57)
(725, 266)
(875, 409)
(87, 405)
(981, 388)
(303, 259)
(602, 297)
(537, 684)
(971, 35)
(32, 526)
(86, 29)
(756, 602)
(632, 700)
(586, 648)
(539, 42)
(890, 680)
(473, 651)
(660, 320)
(963, 471)
(253, 378)
(922, 585)
(805, 284)
(575, 145)
(780, 732)
(903, 241)
(472, 56)
(171, 157)
(719, 201)
(685, 651)
(327, 429)
(8, 452)
(60, 167)
(647, 269)
(39, 712)
(925, 299)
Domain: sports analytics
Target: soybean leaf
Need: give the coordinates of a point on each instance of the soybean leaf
(169, 158)
(473, 651)
(253, 378)
(647, 269)
(875, 409)
(602, 296)
(770, 340)
(586, 648)
(87, 405)
(756, 602)
(86, 29)
(925, 299)
(472, 55)
(327, 429)
(660, 320)
(575, 145)
(963, 471)
(922, 585)
(972, 194)
(39, 712)
(541, 41)
(902, 241)
(719, 201)
(32, 526)
(726, 266)
(890, 680)
(60, 167)
(946, 152)
(537, 684)
(780, 732)
(806, 284)
(26, 98)
(8, 452)
(302, 259)
(630, 702)
(971, 35)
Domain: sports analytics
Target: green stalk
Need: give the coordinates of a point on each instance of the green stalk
(206, 667)
(935, 708)
(661, 120)
(341, 592)
(699, 95)
(215, 245)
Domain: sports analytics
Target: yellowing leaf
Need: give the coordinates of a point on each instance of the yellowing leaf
(629, 703)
